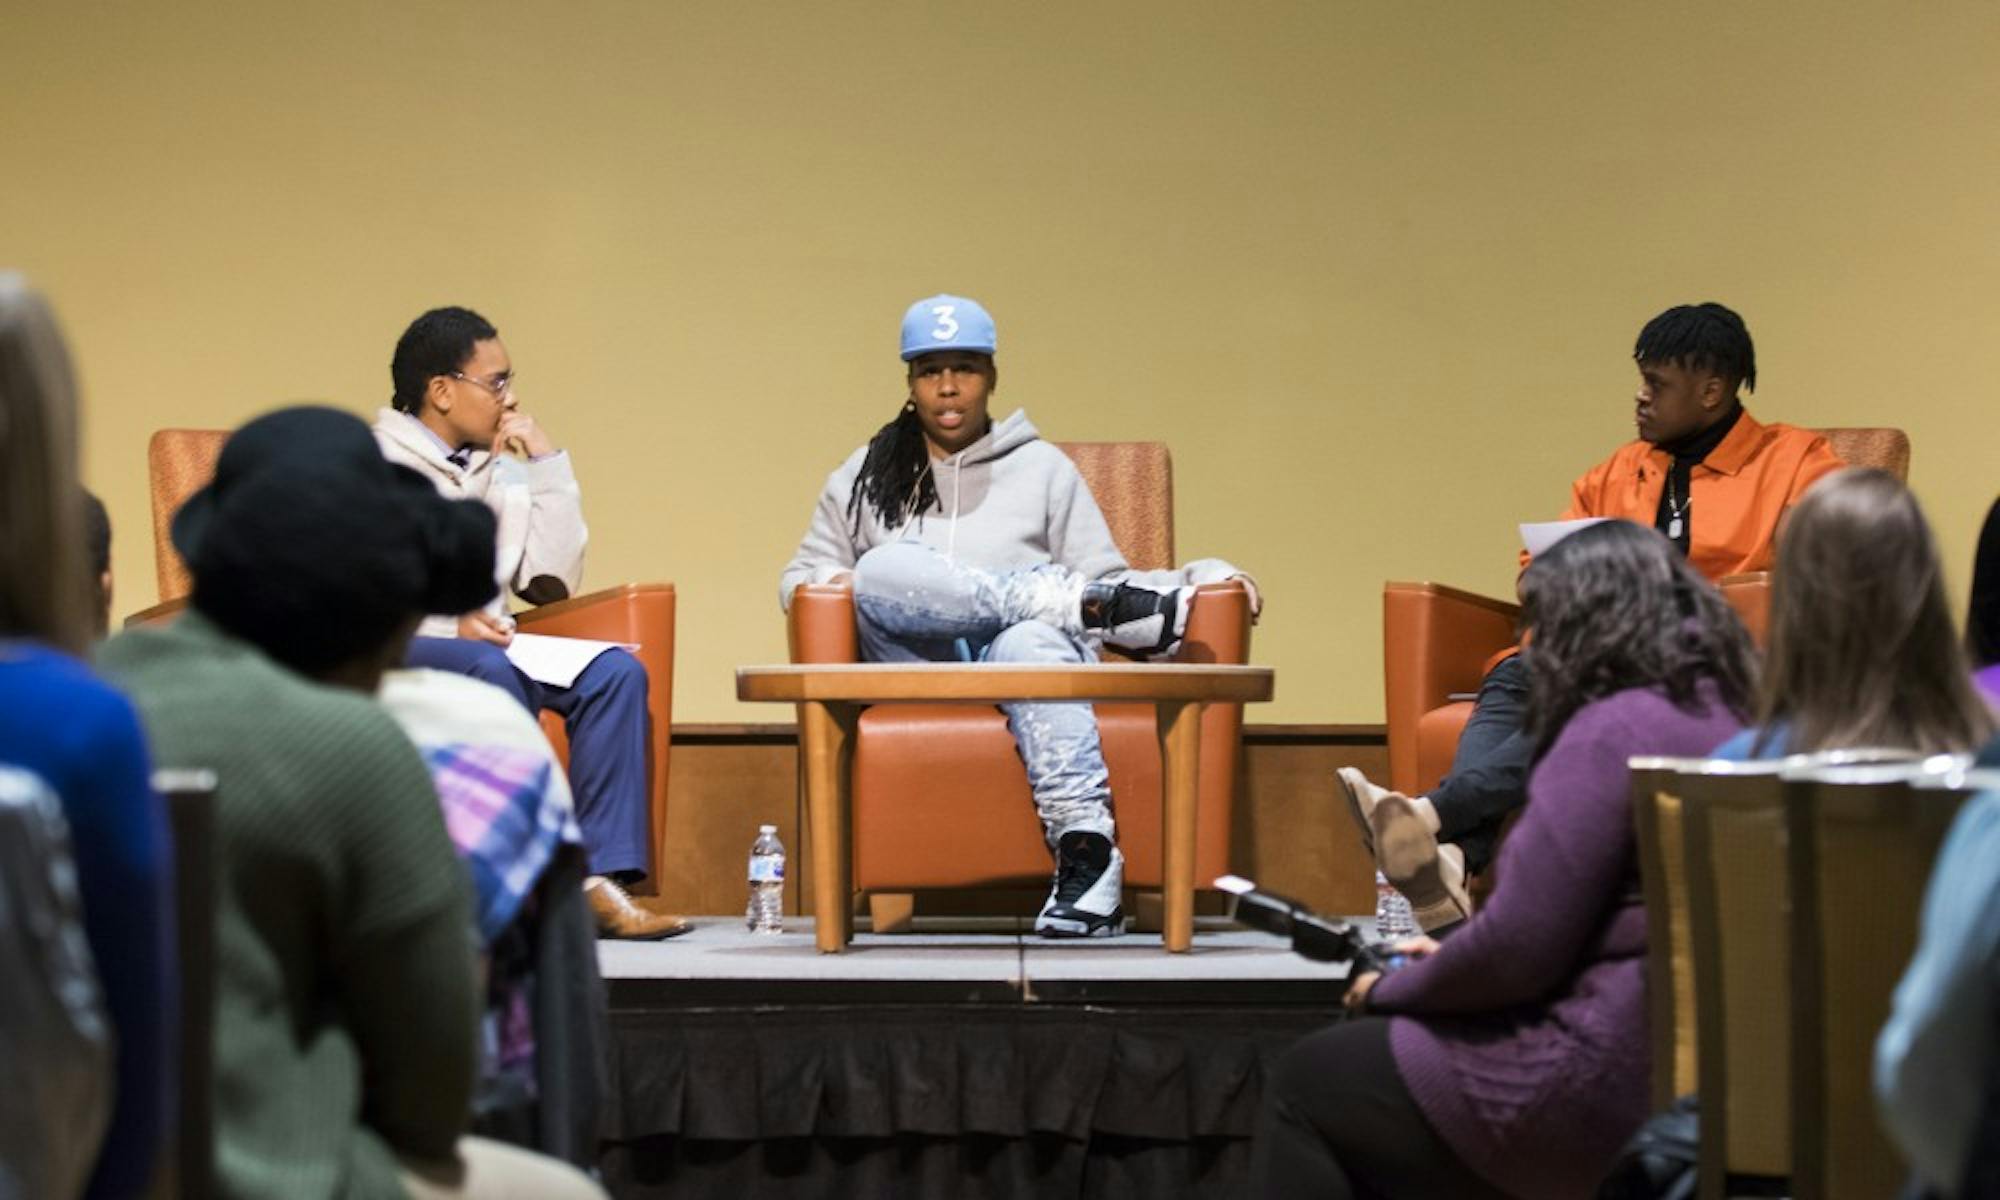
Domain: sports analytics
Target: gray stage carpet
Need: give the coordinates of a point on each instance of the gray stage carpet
(996, 958)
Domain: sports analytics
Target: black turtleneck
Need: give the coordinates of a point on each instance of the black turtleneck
(1685, 454)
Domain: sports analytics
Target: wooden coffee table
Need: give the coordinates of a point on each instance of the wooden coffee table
(831, 696)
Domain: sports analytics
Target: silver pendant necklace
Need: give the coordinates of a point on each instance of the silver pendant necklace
(1676, 508)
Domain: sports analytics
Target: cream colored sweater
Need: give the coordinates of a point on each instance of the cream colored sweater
(538, 504)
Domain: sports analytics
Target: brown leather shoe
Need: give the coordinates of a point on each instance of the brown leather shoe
(620, 916)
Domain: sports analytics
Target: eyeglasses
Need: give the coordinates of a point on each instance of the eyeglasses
(500, 386)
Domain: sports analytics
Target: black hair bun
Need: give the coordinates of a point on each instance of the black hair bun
(458, 538)
(310, 567)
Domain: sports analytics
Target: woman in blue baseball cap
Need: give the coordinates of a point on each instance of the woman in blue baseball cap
(966, 538)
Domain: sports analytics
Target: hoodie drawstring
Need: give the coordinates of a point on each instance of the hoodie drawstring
(957, 492)
(957, 486)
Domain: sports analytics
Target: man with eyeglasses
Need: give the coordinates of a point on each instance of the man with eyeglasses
(455, 419)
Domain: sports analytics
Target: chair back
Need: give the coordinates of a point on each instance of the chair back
(1133, 483)
(1670, 1008)
(1749, 594)
(179, 462)
(1886, 449)
(1881, 447)
(1861, 841)
(1738, 922)
(56, 1079)
(190, 802)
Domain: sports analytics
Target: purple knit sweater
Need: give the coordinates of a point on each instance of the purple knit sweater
(1523, 1038)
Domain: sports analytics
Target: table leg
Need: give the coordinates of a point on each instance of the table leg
(826, 738)
(848, 718)
(1180, 775)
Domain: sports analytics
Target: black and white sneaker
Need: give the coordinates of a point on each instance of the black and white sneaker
(1084, 901)
(1142, 619)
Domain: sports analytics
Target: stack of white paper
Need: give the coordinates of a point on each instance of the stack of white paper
(556, 661)
(1538, 536)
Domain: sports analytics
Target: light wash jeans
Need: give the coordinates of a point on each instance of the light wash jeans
(914, 605)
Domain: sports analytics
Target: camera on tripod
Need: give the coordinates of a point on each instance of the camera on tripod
(1322, 939)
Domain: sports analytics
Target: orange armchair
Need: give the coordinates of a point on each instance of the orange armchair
(940, 796)
(182, 460)
(1438, 642)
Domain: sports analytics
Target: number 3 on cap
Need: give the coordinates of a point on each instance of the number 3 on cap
(947, 326)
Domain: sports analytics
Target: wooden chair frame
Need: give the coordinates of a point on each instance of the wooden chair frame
(190, 797)
(1838, 1147)
(1658, 815)
(1736, 922)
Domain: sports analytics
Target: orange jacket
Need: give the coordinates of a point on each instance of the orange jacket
(1736, 494)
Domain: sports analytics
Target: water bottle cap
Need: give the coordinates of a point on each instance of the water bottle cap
(767, 829)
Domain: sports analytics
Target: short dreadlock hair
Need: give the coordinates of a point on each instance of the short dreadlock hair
(1701, 337)
(437, 343)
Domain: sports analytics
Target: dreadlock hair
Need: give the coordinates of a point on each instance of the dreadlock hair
(1615, 606)
(437, 343)
(1701, 337)
(895, 479)
(1863, 654)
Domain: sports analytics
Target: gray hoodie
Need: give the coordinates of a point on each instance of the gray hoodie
(1010, 500)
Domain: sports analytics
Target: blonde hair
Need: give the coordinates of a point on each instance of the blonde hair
(43, 575)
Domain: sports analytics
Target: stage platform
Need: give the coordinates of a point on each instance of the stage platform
(965, 1059)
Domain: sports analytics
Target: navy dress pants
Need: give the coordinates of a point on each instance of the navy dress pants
(605, 715)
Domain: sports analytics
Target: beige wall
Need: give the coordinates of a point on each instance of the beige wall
(1373, 269)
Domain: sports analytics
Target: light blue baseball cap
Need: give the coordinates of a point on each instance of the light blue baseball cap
(946, 322)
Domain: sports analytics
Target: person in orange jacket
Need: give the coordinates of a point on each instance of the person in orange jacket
(1705, 473)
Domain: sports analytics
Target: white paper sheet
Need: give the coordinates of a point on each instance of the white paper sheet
(1538, 536)
(557, 661)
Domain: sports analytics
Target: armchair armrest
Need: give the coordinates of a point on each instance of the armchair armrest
(159, 614)
(1218, 630)
(641, 613)
(638, 614)
(1436, 640)
(820, 624)
(1750, 595)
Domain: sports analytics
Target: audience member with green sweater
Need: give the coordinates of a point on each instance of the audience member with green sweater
(347, 998)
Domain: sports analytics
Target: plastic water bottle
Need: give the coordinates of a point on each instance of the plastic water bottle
(766, 913)
(1393, 919)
